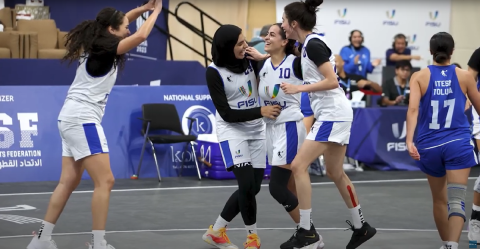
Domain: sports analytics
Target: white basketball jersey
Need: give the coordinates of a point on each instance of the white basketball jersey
(330, 105)
(242, 93)
(476, 117)
(271, 94)
(87, 96)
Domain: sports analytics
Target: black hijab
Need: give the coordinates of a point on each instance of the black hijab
(224, 41)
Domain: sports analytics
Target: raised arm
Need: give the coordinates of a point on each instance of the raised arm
(142, 33)
(132, 15)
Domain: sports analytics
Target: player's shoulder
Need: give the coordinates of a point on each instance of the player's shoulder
(462, 74)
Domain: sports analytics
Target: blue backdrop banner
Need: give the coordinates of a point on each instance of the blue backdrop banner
(378, 138)
(30, 144)
(45, 72)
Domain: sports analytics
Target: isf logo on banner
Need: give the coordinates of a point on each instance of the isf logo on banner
(342, 13)
(433, 16)
(398, 146)
(24, 156)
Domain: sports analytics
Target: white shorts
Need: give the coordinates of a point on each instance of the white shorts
(82, 140)
(283, 141)
(330, 131)
(240, 151)
(476, 130)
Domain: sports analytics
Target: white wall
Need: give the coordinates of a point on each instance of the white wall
(380, 21)
(464, 27)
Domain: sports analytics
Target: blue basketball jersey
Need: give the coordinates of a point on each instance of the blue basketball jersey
(442, 110)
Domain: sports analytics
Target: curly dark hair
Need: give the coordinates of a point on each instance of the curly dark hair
(93, 38)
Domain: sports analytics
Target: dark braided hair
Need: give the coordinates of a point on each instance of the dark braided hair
(93, 38)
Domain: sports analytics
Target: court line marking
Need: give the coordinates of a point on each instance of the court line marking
(227, 186)
(230, 229)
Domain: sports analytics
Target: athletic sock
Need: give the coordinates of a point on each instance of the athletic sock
(97, 239)
(451, 245)
(305, 220)
(357, 217)
(475, 212)
(252, 229)
(45, 231)
(220, 223)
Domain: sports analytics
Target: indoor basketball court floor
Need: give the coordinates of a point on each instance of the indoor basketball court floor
(175, 213)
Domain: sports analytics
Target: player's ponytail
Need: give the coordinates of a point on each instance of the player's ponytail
(440, 57)
(441, 47)
(78, 39)
(312, 5)
(304, 13)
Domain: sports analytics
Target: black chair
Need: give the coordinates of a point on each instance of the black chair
(158, 117)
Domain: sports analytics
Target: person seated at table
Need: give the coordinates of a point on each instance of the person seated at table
(396, 90)
(353, 82)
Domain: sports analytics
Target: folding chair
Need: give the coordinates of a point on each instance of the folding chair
(158, 117)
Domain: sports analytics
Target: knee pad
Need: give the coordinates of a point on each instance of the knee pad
(283, 196)
(456, 200)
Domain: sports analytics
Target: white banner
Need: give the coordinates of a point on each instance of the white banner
(379, 22)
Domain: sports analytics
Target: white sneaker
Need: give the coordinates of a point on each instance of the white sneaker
(41, 244)
(103, 245)
(474, 230)
(321, 245)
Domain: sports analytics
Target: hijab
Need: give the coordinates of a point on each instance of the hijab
(224, 41)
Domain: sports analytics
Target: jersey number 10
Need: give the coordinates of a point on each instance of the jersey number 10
(285, 74)
(450, 103)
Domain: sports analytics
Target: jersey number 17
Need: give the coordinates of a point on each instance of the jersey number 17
(450, 103)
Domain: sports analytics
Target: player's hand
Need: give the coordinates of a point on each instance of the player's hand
(253, 54)
(289, 88)
(412, 150)
(376, 62)
(150, 5)
(416, 57)
(271, 111)
(399, 99)
(355, 60)
(158, 5)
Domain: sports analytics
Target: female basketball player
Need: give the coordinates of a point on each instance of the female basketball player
(100, 45)
(331, 131)
(443, 148)
(232, 83)
(474, 223)
(287, 132)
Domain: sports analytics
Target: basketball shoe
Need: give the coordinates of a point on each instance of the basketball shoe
(253, 242)
(289, 243)
(218, 238)
(41, 244)
(103, 245)
(360, 235)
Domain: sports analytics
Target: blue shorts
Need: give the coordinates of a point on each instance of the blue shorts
(455, 155)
